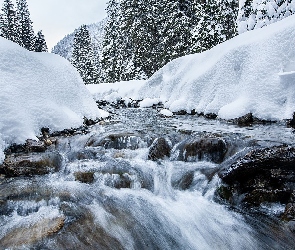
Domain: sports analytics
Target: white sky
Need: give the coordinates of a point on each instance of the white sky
(57, 18)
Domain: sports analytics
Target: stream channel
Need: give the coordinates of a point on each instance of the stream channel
(108, 194)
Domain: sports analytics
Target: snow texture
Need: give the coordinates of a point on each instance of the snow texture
(112, 92)
(252, 72)
(39, 90)
(166, 112)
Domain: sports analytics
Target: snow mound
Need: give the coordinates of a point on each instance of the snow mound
(148, 102)
(39, 90)
(242, 75)
(112, 92)
(166, 113)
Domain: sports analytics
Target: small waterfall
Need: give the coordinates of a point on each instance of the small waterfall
(125, 201)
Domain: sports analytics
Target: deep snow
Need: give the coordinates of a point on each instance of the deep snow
(252, 72)
(39, 90)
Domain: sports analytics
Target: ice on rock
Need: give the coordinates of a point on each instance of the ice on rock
(39, 90)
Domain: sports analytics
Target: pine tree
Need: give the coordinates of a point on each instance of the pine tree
(112, 41)
(83, 58)
(27, 32)
(259, 13)
(10, 27)
(228, 15)
(40, 43)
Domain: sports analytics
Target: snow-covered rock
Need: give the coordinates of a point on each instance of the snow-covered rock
(166, 113)
(39, 90)
(112, 92)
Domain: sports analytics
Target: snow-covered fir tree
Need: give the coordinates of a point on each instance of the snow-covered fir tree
(217, 23)
(40, 43)
(254, 14)
(83, 58)
(26, 25)
(112, 43)
(142, 36)
(10, 26)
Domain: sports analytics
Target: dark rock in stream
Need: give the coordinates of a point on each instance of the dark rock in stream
(262, 175)
(30, 164)
(117, 141)
(245, 120)
(291, 123)
(84, 177)
(159, 149)
(199, 149)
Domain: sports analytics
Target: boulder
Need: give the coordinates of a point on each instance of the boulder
(198, 149)
(159, 149)
(24, 235)
(117, 141)
(30, 164)
(262, 175)
(291, 123)
(85, 177)
(245, 120)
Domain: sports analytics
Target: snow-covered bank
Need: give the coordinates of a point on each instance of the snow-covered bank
(112, 92)
(39, 90)
(245, 74)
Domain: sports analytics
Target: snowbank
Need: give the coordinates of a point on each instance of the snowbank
(252, 72)
(239, 76)
(39, 90)
(112, 92)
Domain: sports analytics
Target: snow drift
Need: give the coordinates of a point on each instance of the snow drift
(244, 74)
(39, 90)
(253, 72)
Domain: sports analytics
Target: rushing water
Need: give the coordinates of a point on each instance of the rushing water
(135, 203)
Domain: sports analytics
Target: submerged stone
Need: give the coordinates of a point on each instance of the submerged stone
(23, 235)
(159, 149)
(85, 177)
(199, 149)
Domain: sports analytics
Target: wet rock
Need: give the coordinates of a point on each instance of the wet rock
(291, 123)
(193, 112)
(159, 149)
(180, 112)
(35, 146)
(30, 164)
(119, 181)
(291, 226)
(117, 141)
(23, 235)
(210, 116)
(263, 175)
(245, 120)
(184, 182)
(85, 177)
(198, 149)
(289, 213)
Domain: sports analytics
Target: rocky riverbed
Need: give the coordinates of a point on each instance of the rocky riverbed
(141, 180)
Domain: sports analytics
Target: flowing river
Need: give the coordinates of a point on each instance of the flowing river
(130, 202)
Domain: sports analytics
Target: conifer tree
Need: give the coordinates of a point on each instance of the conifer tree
(10, 27)
(26, 25)
(83, 58)
(112, 41)
(40, 43)
(259, 13)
